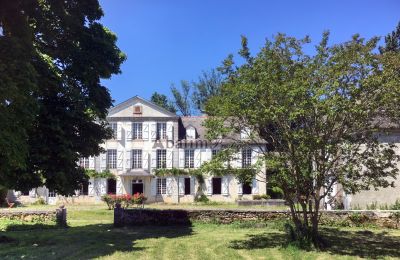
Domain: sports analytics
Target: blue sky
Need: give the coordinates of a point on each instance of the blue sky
(170, 41)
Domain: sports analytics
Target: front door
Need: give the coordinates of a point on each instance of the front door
(137, 186)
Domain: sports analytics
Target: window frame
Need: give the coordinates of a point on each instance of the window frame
(189, 159)
(137, 162)
(246, 157)
(220, 186)
(187, 190)
(84, 162)
(114, 128)
(161, 186)
(161, 158)
(137, 131)
(161, 131)
(111, 159)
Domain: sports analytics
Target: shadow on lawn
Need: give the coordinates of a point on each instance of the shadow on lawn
(85, 242)
(355, 243)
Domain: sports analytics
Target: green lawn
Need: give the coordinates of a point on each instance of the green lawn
(91, 235)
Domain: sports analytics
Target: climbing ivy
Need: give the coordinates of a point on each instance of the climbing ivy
(106, 174)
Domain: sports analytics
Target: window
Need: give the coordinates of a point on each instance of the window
(136, 159)
(113, 127)
(111, 186)
(187, 186)
(189, 158)
(111, 159)
(246, 158)
(161, 186)
(84, 188)
(245, 133)
(190, 133)
(161, 131)
(246, 188)
(84, 163)
(161, 158)
(25, 193)
(214, 153)
(216, 185)
(52, 194)
(137, 131)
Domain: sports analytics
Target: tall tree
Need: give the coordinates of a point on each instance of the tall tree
(392, 41)
(182, 99)
(320, 116)
(52, 104)
(162, 101)
(208, 85)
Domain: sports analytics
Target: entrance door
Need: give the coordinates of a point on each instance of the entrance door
(137, 186)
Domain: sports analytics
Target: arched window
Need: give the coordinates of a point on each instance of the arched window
(190, 133)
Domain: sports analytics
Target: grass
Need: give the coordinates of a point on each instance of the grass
(91, 235)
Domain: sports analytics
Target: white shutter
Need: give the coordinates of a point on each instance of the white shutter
(145, 158)
(91, 187)
(153, 158)
(193, 185)
(254, 154)
(225, 185)
(169, 185)
(239, 187)
(209, 154)
(170, 130)
(181, 158)
(169, 158)
(254, 186)
(145, 131)
(32, 193)
(238, 160)
(120, 160)
(181, 181)
(91, 162)
(203, 156)
(128, 131)
(103, 161)
(197, 158)
(128, 159)
(119, 130)
(120, 186)
(153, 131)
(103, 186)
(208, 186)
(153, 185)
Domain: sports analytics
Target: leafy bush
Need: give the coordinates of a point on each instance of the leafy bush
(396, 205)
(125, 201)
(372, 206)
(276, 193)
(396, 217)
(39, 201)
(202, 198)
(359, 219)
(261, 197)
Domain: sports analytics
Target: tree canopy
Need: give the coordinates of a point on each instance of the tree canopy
(321, 116)
(162, 101)
(52, 104)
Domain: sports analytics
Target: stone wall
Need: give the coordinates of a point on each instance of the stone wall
(59, 216)
(126, 217)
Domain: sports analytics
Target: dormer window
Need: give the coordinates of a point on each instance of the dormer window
(190, 133)
(245, 133)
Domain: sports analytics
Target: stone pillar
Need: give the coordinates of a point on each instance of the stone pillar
(118, 216)
(61, 216)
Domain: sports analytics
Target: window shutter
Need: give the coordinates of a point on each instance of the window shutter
(239, 187)
(153, 186)
(225, 185)
(119, 131)
(128, 159)
(170, 130)
(91, 187)
(254, 186)
(145, 162)
(32, 193)
(153, 131)
(181, 158)
(103, 161)
(145, 131)
(169, 185)
(153, 158)
(254, 154)
(103, 186)
(209, 154)
(169, 158)
(197, 158)
(91, 162)
(181, 185)
(192, 185)
(208, 186)
(238, 160)
(203, 156)
(120, 186)
(129, 131)
(120, 160)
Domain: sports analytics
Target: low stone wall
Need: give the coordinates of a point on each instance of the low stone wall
(126, 217)
(269, 202)
(59, 216)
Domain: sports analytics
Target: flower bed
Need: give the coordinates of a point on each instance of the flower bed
(125, 200)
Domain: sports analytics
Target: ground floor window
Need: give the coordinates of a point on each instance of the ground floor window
(25, 193)
(216, 185)
(137, 187)
(111, 186)
(187, 186)
(246, 188)
(161, 186)
(52, 194)
(84, 188)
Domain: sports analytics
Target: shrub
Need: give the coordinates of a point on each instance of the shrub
(358, 219)
(261, 197)
(39, 201)
(396, 217)
(125, 200)
(372, 206)
(202, 198)
(396, 205)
